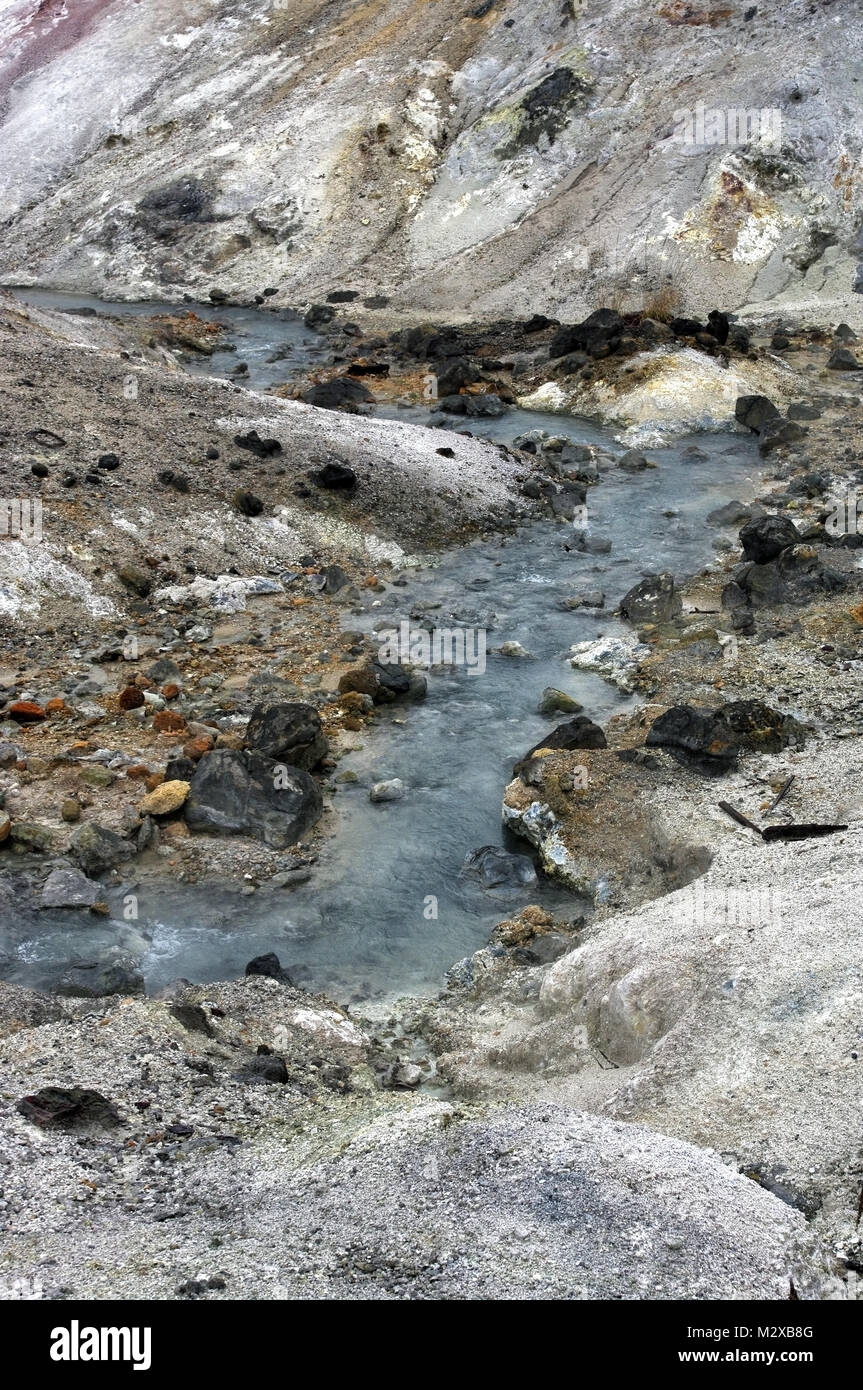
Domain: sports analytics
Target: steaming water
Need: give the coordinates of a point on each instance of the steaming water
(365, 924)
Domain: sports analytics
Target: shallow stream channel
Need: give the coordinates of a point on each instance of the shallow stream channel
(388, 908)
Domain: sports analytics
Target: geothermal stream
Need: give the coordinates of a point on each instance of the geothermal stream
(387, 910)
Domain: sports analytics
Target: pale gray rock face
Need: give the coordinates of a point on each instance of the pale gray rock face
(442, 159)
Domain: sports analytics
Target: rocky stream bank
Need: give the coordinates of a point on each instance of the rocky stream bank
(657, 1096)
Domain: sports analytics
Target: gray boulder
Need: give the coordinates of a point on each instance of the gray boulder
(247, 793)
(95, 849)
(65, 887)
(288, 732)
(766, 537)
(494, 867)
(653, 600)
(755, 411)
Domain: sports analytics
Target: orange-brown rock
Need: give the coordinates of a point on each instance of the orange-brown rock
(138, 771)
(154, 780)
(25, 711)
(175, 830)
(195, 748)
(130, 698)
(167, 721)
(170, 691)
(55, 706)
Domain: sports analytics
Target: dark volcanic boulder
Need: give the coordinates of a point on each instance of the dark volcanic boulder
(759, 728)
(318, 315)
(634, 462)
(484, 404)
(755, 411)
(336, 477)
(453, 375)
(119, 974)
(246, 793)
(579, 732)
(494, 867)
(69, 1108)
(598, 333)
(779, 431)
(653, 600)
(261, 448)
(766, 537)
(843, 360)
(246, 503)
(342, 393)
(289, 733)
(269, 965)
(717, 324)
(686, 328)
(715, 737)
(796, 576)
(702, 734)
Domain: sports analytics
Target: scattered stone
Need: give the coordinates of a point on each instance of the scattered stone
(342, 393)
(843, 360)
(131, 697)
(553, 701)
(72, 1108)
(755, 411)
(25, 712)
(392, 790)
(634, 462)
(135, 579)
(166, 721)
(335, 477)
(779, 431)
(262, 448)
(246, 503)
(165, 799)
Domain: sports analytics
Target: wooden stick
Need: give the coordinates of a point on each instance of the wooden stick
(738, 816)
(779, 795)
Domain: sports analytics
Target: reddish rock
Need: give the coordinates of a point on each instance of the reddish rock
(131, 698)
(55, 706)
(195, 748)
(5, 827)
(26, 711)
(360, 678)
(138, 771)
(168, 722)
(170, 691)
(154, 780)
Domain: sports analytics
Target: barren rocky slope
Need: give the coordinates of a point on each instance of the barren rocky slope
(457, 158)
